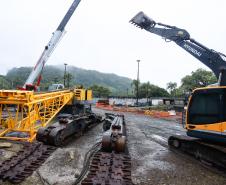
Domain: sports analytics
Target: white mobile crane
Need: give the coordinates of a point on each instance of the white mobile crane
(49, 48)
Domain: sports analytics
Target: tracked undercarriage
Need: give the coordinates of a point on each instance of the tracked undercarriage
(27, 160)
(76, 120)
(111, 163)
(210, 153)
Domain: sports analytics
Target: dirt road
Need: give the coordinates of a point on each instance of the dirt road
(152, 162)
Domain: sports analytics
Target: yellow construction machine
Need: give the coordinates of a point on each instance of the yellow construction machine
(206, 109)
(25, 115)
(22, 113)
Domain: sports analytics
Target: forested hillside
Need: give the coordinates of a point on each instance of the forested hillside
(55, 74)
(104, 84)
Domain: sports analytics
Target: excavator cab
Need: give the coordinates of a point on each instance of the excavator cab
(206, 114)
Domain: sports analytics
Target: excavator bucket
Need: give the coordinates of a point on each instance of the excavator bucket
(142, 21)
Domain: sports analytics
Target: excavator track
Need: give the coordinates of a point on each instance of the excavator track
(27, 160)
(210, 154)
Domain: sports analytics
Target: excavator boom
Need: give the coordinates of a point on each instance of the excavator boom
(212, 59)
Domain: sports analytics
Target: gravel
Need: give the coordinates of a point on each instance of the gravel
(152, 162)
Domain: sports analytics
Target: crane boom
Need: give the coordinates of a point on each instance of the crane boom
(49, 48)
(212, 59)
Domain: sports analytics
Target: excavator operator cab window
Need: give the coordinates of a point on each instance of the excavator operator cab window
(207, 106)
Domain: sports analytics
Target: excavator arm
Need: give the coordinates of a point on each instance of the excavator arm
(212, 59)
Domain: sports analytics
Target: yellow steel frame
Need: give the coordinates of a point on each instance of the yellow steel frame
(31, 111)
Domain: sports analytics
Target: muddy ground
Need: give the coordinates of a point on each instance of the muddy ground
(152, 162)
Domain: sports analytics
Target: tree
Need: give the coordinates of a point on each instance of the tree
(198, 78)
(134, 85)
(4, 83)
(172, 88)
(145, 89)
(69, 78)
(156, 91)
(148, 90)
(100, 91)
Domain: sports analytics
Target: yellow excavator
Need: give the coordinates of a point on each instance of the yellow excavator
(206, 110)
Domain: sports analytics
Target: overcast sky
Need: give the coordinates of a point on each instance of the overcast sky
(99, 35)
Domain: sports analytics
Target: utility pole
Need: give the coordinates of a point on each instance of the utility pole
(138, 70)
(65, 74)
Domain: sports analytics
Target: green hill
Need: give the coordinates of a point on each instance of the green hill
(54, 74)
(4, 83)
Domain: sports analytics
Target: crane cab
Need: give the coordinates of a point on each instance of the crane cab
(55, 87)
(206, 114)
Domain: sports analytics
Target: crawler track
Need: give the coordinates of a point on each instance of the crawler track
(22, 165)
(211, 154)
(68, 125)
(109, 169)
(110, 164)
(32, 155)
